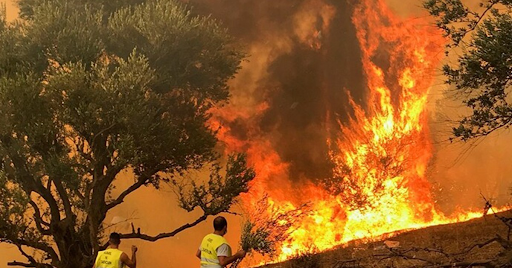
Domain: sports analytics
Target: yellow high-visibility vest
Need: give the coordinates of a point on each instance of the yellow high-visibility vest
(209, 247)
(109, 258)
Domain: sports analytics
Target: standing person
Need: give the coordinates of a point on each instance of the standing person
(112, 257)
(215, 251)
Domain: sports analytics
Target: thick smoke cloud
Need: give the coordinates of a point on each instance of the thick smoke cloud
(305, 86)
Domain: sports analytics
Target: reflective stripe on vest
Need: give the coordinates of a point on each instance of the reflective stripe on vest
(109, 258)
(209, 247)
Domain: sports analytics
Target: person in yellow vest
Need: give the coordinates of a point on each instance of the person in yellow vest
(112, 257)
(215, 251)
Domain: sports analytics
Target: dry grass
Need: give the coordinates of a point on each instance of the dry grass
(430, 246)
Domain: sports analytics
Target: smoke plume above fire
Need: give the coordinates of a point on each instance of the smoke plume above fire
(284, 93)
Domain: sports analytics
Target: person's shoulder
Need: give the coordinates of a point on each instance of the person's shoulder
(124, 257)
(210, 236)
(224, 250)
(113, 251)
(225, 245)
(224, 240)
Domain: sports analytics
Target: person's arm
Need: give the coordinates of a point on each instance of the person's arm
(132, 263)
(198, 254)
(224, 260)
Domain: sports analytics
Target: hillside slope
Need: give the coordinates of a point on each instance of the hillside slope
(436, 246)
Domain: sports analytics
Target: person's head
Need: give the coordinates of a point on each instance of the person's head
(220, 225)
(114, 239)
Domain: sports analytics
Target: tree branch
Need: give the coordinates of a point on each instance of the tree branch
(141, 181)
(29, 258)
(21, 264)
(37, 245)
(30, 184)
(39, 220)
(64, 197)
(138, 235)
(479, 19)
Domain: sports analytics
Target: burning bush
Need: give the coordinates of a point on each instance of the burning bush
(267, 227)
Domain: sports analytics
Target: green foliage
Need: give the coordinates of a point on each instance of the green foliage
(448, 12)
(219, 193)
(92, 88)
(483, 72)
(13, 204)
(256, 238)
(173, 45)
(107, 7)
(3, 16)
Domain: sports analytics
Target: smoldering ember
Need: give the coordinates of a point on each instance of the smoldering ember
(325, 133)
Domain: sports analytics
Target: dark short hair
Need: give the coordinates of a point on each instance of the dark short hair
(219, 223)
(115, 238)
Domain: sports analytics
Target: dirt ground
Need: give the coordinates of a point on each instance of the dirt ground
(437, 246)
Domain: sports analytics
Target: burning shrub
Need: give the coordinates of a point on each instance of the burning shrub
(256, 238)
(268, 226)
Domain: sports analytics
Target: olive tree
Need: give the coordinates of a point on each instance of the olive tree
(88, 92)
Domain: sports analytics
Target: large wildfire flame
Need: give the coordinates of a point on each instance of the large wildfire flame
(380, 157)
